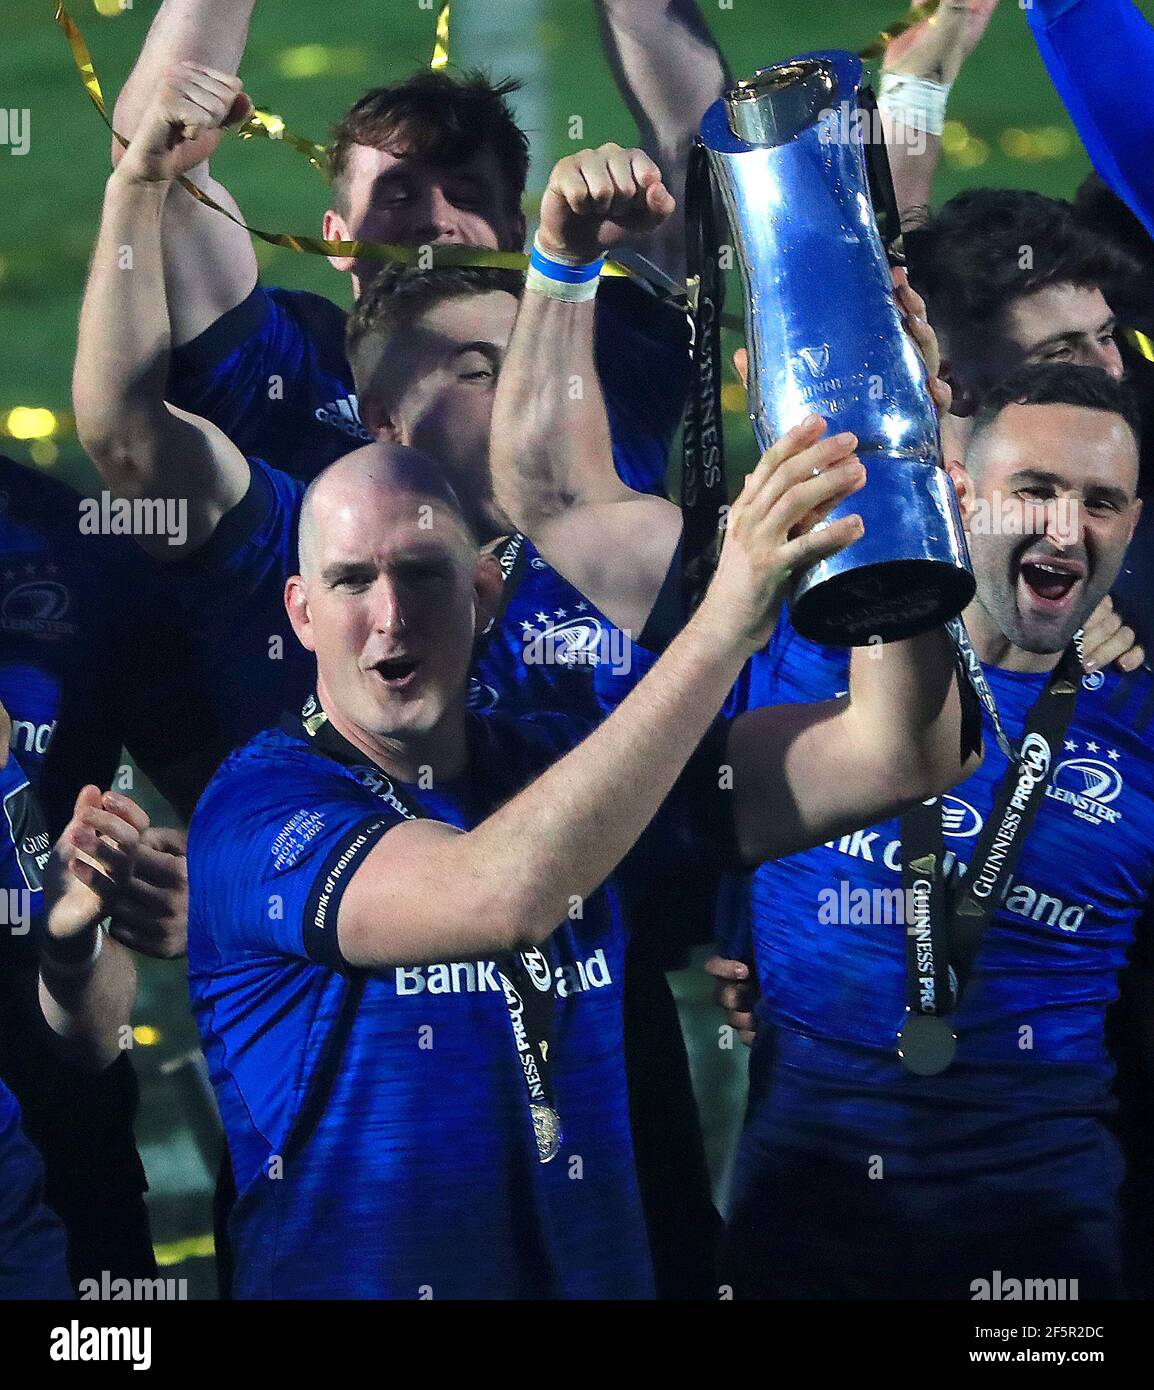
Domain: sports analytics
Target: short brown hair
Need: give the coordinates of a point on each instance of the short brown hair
(439, 117)
(397, 296)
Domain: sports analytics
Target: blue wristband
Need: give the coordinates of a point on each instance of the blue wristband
(564, 274)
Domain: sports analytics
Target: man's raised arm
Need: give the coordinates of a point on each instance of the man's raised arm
(209, 261)
(426, 892)
(550, 452)
(669, 71)
(805, 774)
(142, 447)
(919, 68)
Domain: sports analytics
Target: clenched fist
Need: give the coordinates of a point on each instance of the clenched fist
(190, 105)
(597, 199)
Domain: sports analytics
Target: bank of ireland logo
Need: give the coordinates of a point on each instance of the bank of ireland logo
(1089, 784)
(1093, 680)
(537, 968)
(36, 605)
(959, 819)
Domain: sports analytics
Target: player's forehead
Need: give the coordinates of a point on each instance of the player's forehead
(470, 318)
(1062, 308)
(1074, 445)
(400, 161)
(379, 523)
(439, 336)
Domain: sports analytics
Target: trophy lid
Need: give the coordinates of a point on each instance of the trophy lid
(781, 101)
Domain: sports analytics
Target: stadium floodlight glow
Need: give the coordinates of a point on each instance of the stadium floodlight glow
(31, 422)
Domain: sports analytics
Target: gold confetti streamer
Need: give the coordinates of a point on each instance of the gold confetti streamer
(919, 10)
(1142, 342)
(264, 125)
(424, 257)
(440, 56)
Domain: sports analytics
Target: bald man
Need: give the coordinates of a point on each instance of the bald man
(441, 336)
(408, 924)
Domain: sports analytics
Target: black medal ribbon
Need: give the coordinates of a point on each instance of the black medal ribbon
(528, 978)
(944, 931)
(703, 488)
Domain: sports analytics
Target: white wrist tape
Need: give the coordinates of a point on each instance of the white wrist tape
(55, 966)
(914, 101)
(558, 280)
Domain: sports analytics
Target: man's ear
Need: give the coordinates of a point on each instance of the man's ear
(963, 486)
(488, 584)
(335, 228)
(296, 603)
(375, 418)
(965, 397)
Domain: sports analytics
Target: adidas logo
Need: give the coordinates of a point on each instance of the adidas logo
(344, 416)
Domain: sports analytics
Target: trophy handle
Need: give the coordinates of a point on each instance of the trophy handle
(887, 214)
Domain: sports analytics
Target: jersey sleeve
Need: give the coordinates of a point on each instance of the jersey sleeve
(254, 545)
(25, 846)
(272, 849)
(642, 351)
(1100, 57)
(254, 372)
(24, 839)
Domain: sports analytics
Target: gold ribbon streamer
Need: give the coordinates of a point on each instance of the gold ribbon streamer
(424, 257)
(1142, 342)
(440, 56)
(919, 10)
(264, 125)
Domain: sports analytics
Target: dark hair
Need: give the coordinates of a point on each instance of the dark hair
(398, 295)
(1132, 296)
(1059, 383)
(989, 246)
(439, 117)
(1103, 211)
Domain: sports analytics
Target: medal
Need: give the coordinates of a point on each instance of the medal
(926, 1044)
(546, 1131)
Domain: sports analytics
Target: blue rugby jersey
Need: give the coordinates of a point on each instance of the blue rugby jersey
(91, 653)
(62, 595)
(86, 647)
(1093, 51)
(32, 1241)
(542, 653)
(1003, 1156)
(273, 374)
(420, 1176)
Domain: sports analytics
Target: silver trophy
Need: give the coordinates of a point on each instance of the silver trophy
(786, 151)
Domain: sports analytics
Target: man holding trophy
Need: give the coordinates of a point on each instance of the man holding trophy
(930, 1079)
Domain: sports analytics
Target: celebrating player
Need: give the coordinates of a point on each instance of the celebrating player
(429, 161)
(427, 347)
(331, 881)
(1003, 1155)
